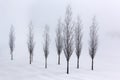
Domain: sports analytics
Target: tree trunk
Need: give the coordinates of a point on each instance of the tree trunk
(92, 65)
(11, 56)
(58, 59)
(45, 62)
(77, 63)
(68, 67)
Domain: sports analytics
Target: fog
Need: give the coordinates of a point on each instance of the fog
(42, 12)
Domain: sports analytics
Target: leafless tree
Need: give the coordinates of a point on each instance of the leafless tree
(11, 41)
(59, 39)
(68, 36)
(46, 44)
(31, 42)
(78, 39)
(93, 43)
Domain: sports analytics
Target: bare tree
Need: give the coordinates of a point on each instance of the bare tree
(31, 43)
(59, 40)
(11, 41)
(68, 36)
(93, 43)
(46, 44)
(78, 39)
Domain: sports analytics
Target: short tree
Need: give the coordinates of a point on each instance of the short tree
(11, 41)
(78, 39)
(46, 44)
(59, 39)
(31, 42)
(68, 36)
(93, 43)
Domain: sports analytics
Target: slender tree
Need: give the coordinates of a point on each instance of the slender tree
(59, 40)
(78, 39)
(31, 42)
(93, 43)
(68, 36)
(11, 41)
(46, 44)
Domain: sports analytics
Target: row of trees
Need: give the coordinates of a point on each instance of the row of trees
(67, 34)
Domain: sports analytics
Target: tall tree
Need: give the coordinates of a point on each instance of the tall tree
(11, 41)
(78, 39)
(59, 39)
(31, 42)
(68, 36)
(93, 43)
(46, 44)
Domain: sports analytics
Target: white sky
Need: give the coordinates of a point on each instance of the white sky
(41, 12)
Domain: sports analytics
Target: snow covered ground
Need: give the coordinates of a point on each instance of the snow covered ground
(107, 60)
(106, 66)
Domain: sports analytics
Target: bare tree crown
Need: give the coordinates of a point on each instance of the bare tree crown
(46, 41)
(59, 38)
(93, 44)
(11, 38)
(78, 37)
(68, 34)
(31, 43)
